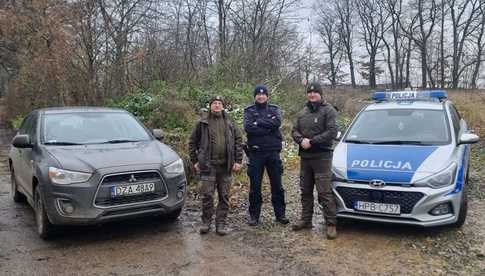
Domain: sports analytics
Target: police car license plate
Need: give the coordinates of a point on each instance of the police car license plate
(374, 207)
(134, 189)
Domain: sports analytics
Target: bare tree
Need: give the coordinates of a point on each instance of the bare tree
(345, 11)
(122, 19)
(328, 28)
(464, 14)
(480, 44)
(373, 18)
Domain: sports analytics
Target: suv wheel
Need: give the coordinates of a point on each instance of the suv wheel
(172, 216)
(14, 192)
(42, 223)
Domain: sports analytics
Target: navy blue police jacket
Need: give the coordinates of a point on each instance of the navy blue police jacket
(262, 125)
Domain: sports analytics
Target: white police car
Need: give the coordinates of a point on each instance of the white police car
(404, 159)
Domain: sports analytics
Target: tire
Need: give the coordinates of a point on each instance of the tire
(16, 196)
(43, 225)
(463, 206)
(172, 216)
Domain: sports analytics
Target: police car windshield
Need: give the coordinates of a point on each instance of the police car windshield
(400, 126)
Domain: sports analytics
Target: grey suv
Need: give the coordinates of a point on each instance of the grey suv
(87, 165)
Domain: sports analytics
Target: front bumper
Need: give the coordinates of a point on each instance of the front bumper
(86, 210)
(416, 203)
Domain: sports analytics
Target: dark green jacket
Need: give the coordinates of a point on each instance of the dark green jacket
(318, 125)
(200, 145)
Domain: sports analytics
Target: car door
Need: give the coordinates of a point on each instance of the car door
(24, 171)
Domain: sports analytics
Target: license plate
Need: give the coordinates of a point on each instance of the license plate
(374, 207)
(134, 189)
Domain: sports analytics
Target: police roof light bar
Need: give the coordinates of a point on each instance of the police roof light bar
(429, 95)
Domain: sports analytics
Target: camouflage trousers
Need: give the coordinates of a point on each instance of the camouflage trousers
(317, 173)
(217, 179)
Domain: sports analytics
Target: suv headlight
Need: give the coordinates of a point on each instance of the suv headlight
(175, 168)
(441, 179)
(64, 177)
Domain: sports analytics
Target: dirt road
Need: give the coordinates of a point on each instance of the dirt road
(154, 247)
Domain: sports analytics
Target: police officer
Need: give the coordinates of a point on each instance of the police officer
(314, 131)
(215, 150)
(262, 123)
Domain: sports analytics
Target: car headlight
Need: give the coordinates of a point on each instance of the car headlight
(64, 177)
(175, 168)
(338, 174)
(441, 179)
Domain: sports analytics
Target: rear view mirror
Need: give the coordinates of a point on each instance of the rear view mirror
(21, 141)
(158, 133)
(468, 138)
(339, 135)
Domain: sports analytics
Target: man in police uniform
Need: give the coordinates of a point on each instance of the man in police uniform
(314, 131)
(216, 151)
(262, 123)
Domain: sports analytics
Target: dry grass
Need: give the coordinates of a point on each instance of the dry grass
(471, 106)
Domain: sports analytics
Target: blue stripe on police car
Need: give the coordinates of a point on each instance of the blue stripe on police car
(394, 164)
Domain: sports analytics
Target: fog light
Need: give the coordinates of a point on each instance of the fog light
(441, 209)
(66, 206)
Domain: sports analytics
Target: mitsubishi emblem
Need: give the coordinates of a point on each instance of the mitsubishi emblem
(132, 179)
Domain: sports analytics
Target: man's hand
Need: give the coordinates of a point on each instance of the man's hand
(236, 167)
(305, 143)
(196, 167)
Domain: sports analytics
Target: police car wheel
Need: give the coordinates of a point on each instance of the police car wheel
(463, 207)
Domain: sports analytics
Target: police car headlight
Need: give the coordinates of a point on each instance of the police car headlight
(338, 174)
(441, 179)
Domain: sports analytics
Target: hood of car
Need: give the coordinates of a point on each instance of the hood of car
(88, 158)
(390, 163)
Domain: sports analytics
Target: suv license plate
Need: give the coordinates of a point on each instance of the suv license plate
(134, 189)
(385, 208)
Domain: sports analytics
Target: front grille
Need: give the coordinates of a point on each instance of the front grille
(104, 198)
(125, 178)
(406, 200)
(127, 199)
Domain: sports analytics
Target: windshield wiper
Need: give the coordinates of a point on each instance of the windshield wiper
(399, 142)
(118, 141)
(358, 141)
(61, 143)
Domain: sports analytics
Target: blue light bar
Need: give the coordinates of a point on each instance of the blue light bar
(428, 95)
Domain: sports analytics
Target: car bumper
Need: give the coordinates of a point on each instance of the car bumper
(82, 197)
(417, 211)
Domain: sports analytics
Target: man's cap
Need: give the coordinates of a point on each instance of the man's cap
(260, 89)
(314, 87)
(216, 98)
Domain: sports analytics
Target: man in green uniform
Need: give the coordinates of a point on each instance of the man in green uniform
(314, 131)
(215, 150)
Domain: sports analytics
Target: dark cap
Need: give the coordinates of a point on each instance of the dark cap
(314, 87)
(260, 89)
(216, 98)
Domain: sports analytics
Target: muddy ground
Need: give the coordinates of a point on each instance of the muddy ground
(152, 246)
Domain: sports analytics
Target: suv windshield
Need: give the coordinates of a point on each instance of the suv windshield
(400, 126)
(91, 128)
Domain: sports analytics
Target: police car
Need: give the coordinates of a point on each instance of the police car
(404, 159)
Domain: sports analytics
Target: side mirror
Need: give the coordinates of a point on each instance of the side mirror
(468, 138)
(339, 136)
(158, 133)
(21, 141)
